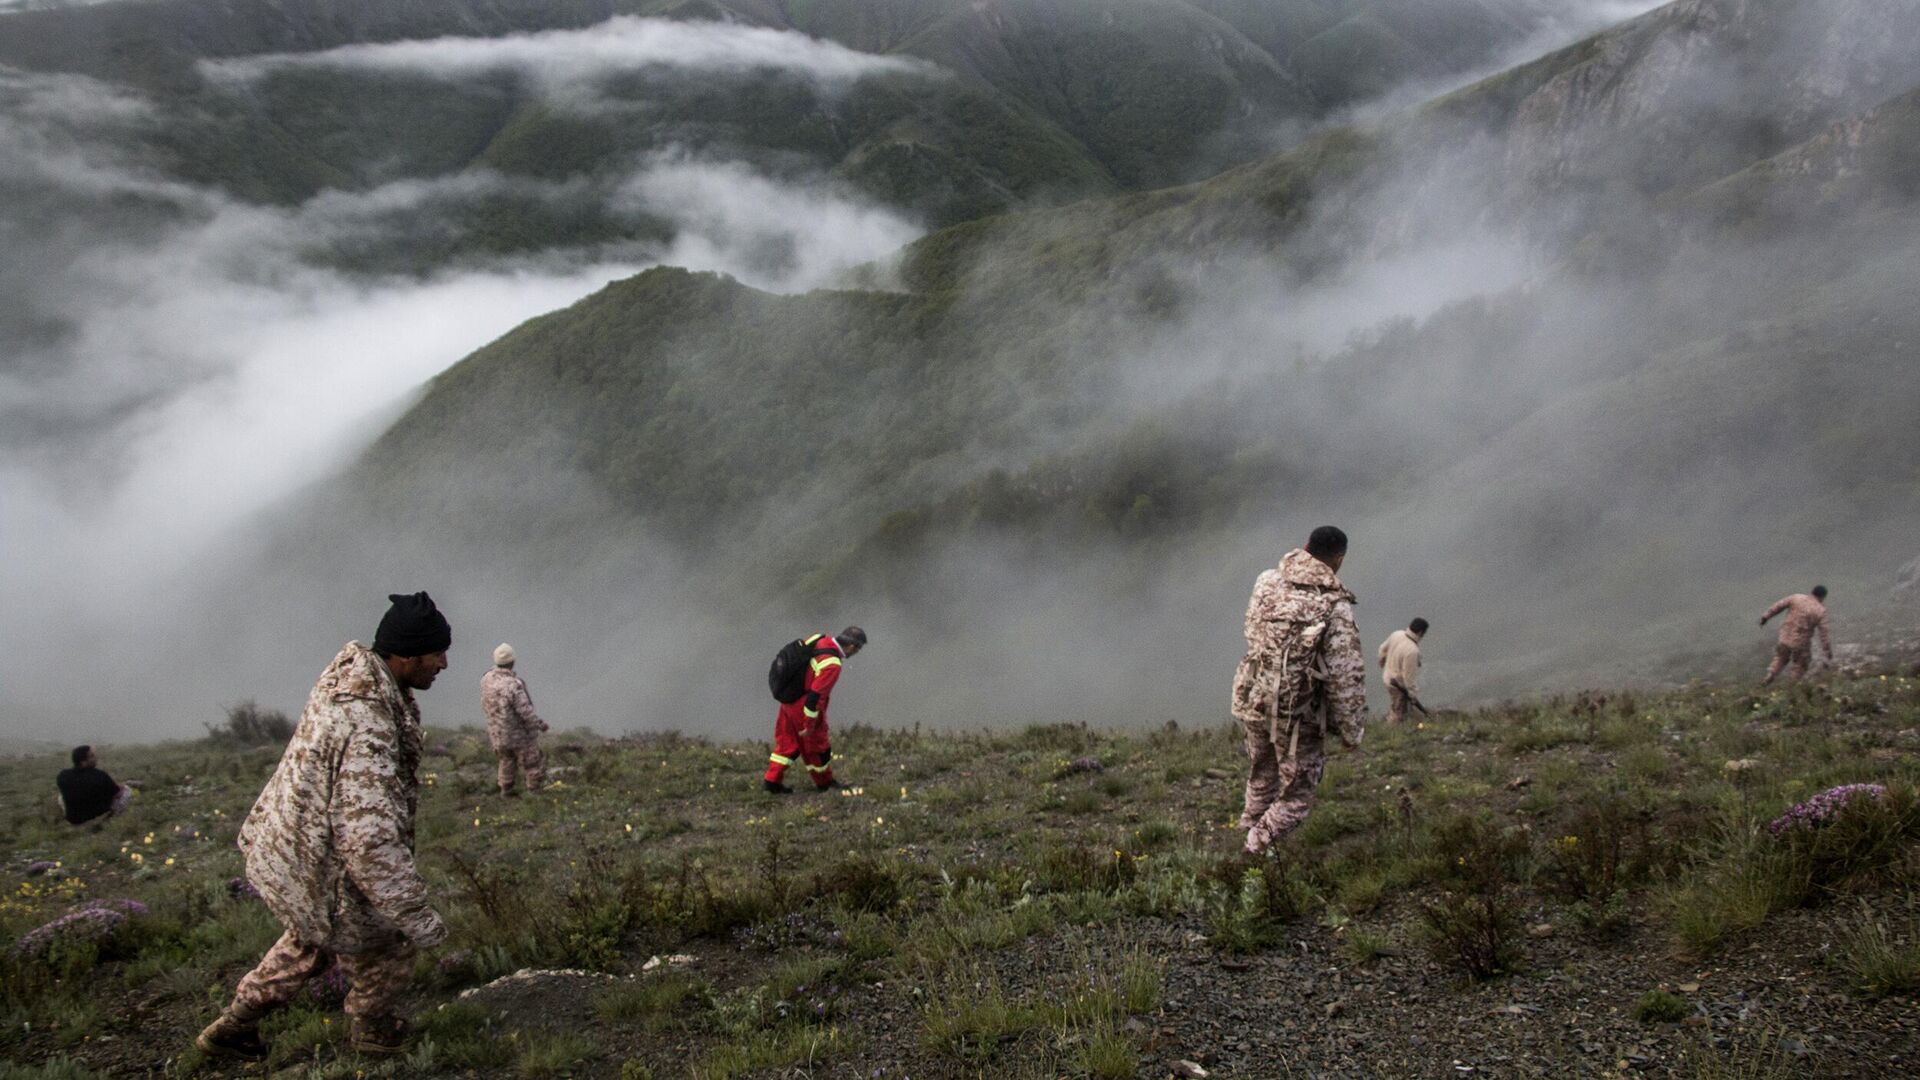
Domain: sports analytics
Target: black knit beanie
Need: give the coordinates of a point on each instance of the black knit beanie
(412, 627)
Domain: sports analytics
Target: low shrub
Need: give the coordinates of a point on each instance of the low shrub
(1602, 849)
(1661, 1007)
(1250, 913)
(247, 724)
(1473, 923)
(861, 883)
(1476, 932)
(1082, 869)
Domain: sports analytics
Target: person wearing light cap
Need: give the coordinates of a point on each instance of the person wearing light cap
(329, 844)
(512, 726)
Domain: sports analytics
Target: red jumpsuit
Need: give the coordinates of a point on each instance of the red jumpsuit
(800, 731)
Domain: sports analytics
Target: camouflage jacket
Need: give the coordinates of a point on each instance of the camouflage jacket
(329, 844)
(511, 721)
(1804, 615)
(1303, 655)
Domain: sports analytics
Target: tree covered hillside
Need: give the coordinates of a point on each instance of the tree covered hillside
(1025, 102)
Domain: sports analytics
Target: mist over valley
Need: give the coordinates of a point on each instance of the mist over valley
(647, 336)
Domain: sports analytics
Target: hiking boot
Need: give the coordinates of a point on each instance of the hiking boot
(831, 785)
(510, 793)
(231, 1038)
(379, 1036)
(774, 787)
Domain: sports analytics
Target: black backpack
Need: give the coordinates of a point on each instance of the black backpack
(787, 678)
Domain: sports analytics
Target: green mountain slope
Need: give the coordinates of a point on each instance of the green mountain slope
(1084, 414)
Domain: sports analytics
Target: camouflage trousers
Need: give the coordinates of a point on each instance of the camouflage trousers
(1280, 787)
(1398, 702)
(527, 760)
(375, 980)
(1799, 657)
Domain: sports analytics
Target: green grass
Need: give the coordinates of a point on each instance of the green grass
(997, 950)
(553, 1055)
(782, 1048)
(653, 1000)
(1880, 956)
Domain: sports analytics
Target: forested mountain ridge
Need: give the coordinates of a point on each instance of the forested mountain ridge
(1045, 101)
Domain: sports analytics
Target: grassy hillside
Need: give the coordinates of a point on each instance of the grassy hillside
(1058, 901)
(991, 406)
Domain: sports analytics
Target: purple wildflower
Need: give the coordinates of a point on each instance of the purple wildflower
(241, 889)
(331, 987)
(1823, 808)
(92, 922)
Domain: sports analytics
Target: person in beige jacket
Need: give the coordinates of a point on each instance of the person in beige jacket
(1400, 664)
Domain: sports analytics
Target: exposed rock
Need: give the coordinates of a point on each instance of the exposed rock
(531, 975)
(1190, 1069)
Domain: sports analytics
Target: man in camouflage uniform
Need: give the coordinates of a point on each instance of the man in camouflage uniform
(329, 844)
(1806, 613)
(512, 726)
(1303, 676)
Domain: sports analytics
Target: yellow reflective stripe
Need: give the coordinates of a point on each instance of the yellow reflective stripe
(818, 768)
(824, 663)
(778, 760)
(811, 640)
(811, 714)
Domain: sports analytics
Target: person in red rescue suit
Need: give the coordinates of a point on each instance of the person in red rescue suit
(800, 731)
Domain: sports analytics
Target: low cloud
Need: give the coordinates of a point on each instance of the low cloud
(174, 362)
(741, 222)
(572, 62)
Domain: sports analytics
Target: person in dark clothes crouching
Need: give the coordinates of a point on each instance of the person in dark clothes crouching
(87, 792)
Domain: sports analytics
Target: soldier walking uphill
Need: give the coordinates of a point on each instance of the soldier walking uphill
(1806, 612)
(512, 726)
(329, 844)
(803, 677)
(1303, 677)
